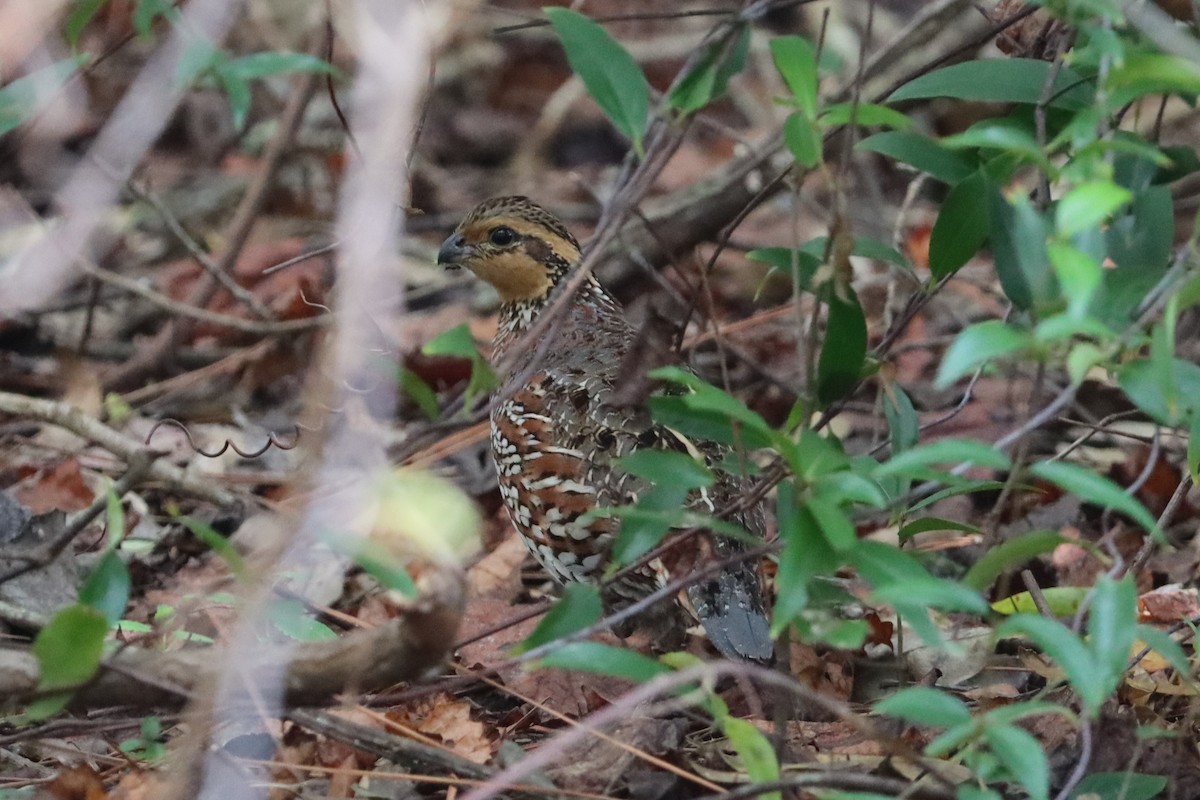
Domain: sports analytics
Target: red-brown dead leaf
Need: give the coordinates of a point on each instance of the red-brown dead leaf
(1168, 604)
(447, 719)
(61, 487)
(879, 631)
(77, 783)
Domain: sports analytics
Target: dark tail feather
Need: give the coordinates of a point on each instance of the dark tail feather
(730, 608)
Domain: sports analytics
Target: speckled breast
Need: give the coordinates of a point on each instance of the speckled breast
(545, 487)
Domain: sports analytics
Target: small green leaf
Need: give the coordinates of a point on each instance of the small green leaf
(924, 705)
(1193, 449)
(1119, 786)
(1063, 601)
(667, 468)
(932, 592)
(802, 139)
(1022, 756)
(961, 227)
(382, 565)
(418, 391)
(1088, 205)
(81, 15)
(926, 524)
(602, 659)
(23, 96)
(1112, 619)
(839, 368)
(107, 588)
(922, 153)
(1078, 273)
(68, 649)
(796, 61)
(217, 543)
(147, 11)
(276, 62)
(977, 345)
(238, 92)
(1018, 234)
(1060, 643)
(1095, 488)
(756, 752)
(903, 423)
(293, 620)
(578, 608)
(709, 78)
(1007, 135)
(868, 115)
(998, 560)
(944, 451)
(1009, 80)
(806, 554)
(612, 77)
(833, 523)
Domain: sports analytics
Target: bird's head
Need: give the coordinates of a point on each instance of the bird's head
(515, 245)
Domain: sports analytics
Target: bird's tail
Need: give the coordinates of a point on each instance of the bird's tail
(731, 609)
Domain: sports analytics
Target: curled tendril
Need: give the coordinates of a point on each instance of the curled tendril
(272, 441)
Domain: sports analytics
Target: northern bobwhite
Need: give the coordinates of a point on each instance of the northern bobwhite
(556, 437)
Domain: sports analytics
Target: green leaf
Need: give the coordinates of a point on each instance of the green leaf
(998, 560)
(1078, 273)
(839, 368)
(276, 62)
(578, 608)
(756, 752)
(147, 11)
(68, 649)
(1063, 601)
(977, 345)
(932, 592)
(459, 342)
(602, 659)
(1007, 135)
(217, 543)
(1018, 234)
(643, 526)
(797, 263)
(1022, 756)
(1009, 80)
(868, 115)
(667, 468)
(1140, 74)
(417, 390)
(107, 588)
(864, 246)
(611, 76)
(926, 524)
(944, 451)
(833, 523)
(1171, 401)
(922, 153)
(81, 15)
(806, 553)
(903, 423)
(708, 79)
(1193, 449)
(1061, 644)
(293, 620)
(1119, 786)
(707, 399)
(924, 705)
(961, 227)
(379, 562)
(1141, 239)
(238, 92)
(21, 97)
(796, 61)
(802, 139)
(1087, 205)
(1095, 489)
(1112, 619)
(198, 57)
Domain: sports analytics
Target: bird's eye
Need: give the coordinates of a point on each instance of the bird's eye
(502, 235)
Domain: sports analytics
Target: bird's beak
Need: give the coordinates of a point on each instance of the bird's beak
(454, 251)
